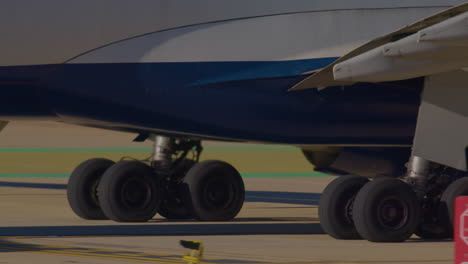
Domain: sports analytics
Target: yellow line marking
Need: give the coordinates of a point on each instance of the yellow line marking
(90, 253)
(114, 253)
(152, 260)
(86, 250)
(78, 248)
(98, 253)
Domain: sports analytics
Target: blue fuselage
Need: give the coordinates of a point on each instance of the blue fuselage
(242, 101)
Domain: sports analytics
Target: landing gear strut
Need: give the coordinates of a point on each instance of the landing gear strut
(171, 164)
(172, 184)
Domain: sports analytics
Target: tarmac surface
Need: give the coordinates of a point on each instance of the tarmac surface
(278, 223)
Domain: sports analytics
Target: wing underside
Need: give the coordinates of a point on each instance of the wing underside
(433, 45)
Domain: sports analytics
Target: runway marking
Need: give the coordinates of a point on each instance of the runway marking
(6, 246)
(244, 175)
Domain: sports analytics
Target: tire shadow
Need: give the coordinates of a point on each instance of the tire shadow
(186, 229)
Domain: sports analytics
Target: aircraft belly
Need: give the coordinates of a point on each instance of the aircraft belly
(166, 98)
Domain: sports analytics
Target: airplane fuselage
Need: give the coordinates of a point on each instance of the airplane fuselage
(209, 69)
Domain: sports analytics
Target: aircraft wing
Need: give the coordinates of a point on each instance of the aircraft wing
(433, 45)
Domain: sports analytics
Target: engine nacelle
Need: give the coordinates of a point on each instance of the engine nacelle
(364, 161)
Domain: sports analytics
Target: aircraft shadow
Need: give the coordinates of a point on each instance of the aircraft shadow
(186, 229)
(299, 198)
(50, 186)
(239, 226)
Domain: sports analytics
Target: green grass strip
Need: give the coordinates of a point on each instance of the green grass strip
(244, 175)
(34, 175)
(208, 148)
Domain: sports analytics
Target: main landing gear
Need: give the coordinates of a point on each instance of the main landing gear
(421, 202)
(172, 184)
(388, 209)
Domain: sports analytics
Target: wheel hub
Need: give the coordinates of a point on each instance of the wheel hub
(393, 213)
(218, 194)
(136, 193)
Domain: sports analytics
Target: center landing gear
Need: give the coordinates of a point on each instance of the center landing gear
(172, 184)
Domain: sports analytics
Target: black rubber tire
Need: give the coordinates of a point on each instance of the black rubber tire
(200, 183)
(122, 203)
(447, 202)
(371, 200)
(173, 206)
(334, 201)
(82, 188)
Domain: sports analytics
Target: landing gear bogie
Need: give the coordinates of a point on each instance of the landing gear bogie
(171, 184)
(388, 209)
